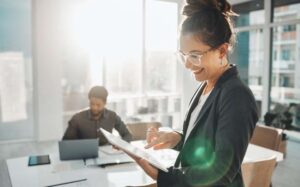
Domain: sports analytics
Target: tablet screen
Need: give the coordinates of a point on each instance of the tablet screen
(38, 160)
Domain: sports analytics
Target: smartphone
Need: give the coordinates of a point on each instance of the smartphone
(38, 160)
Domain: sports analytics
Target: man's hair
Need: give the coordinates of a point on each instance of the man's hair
(99, 92)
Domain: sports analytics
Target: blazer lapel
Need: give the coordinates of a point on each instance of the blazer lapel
(192, 106)
(207, 104)
(229, 73)
(198, 91)
(205, 108)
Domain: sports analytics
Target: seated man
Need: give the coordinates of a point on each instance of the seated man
(85, 124)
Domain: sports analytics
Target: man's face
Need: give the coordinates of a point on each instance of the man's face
(96, 105)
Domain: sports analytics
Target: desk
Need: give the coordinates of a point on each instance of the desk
(114, 176)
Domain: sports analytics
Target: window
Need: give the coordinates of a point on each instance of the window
(285, 32)
(285, 54)
(248, 13)
(123, 56)
(285, 10)
(16, 84)
(248, 54)
(289, 28)
(285, 88)
(275, 54)
(130, 52)
(161, 20)
(285, 85)
(279, 58)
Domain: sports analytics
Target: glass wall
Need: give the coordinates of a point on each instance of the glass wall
(161, 23)
(285, 89)
(16, 84)
(130, 52)
(283, 66)
(248, 55)
(249, 12)
(285, 10)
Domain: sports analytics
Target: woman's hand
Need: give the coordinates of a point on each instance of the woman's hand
(116, 148)
(162, 139)
(148, 168)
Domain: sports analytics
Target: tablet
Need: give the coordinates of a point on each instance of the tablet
(136, 151)
(38, 160)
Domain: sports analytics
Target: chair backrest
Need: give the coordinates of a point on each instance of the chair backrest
(258, 173)
(267, 137)
(139, 129)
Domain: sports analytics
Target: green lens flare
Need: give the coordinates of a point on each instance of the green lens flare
(207, 165)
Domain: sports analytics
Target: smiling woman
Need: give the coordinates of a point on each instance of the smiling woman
(222, 113)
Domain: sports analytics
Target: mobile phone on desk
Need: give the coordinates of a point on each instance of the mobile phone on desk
(38, 160)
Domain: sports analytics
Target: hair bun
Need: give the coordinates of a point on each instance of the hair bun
(194, 6)
(225, 8)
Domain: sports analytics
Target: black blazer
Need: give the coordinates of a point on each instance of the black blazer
(213, 153)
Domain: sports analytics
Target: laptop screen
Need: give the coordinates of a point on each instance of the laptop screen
(78, 149)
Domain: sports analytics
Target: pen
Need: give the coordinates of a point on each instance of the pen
(114, 164)
(67, 183)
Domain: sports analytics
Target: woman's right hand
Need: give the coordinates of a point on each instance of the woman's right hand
(162, 139)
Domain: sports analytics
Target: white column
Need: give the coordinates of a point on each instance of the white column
(47, 45)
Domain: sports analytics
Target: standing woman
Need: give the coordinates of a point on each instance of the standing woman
(222, 113)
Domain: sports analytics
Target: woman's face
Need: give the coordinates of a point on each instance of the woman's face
(209, 67)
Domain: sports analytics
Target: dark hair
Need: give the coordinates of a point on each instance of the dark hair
(210, 21)
(99, 92)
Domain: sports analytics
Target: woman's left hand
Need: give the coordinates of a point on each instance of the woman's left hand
(144, 164)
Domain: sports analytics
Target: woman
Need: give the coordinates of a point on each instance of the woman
(222, 113)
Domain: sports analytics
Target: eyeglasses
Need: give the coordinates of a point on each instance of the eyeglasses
(194, 57)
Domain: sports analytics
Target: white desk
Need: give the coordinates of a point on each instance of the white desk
(113, 176)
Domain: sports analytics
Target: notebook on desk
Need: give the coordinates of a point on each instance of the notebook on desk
(136, 151)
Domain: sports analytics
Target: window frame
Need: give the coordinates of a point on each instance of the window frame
(267, 27)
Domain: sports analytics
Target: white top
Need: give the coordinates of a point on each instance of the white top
(195, 114)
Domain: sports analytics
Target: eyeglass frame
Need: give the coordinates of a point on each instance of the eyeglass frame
(185, 57)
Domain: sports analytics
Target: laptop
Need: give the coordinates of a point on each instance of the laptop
(78, 149)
